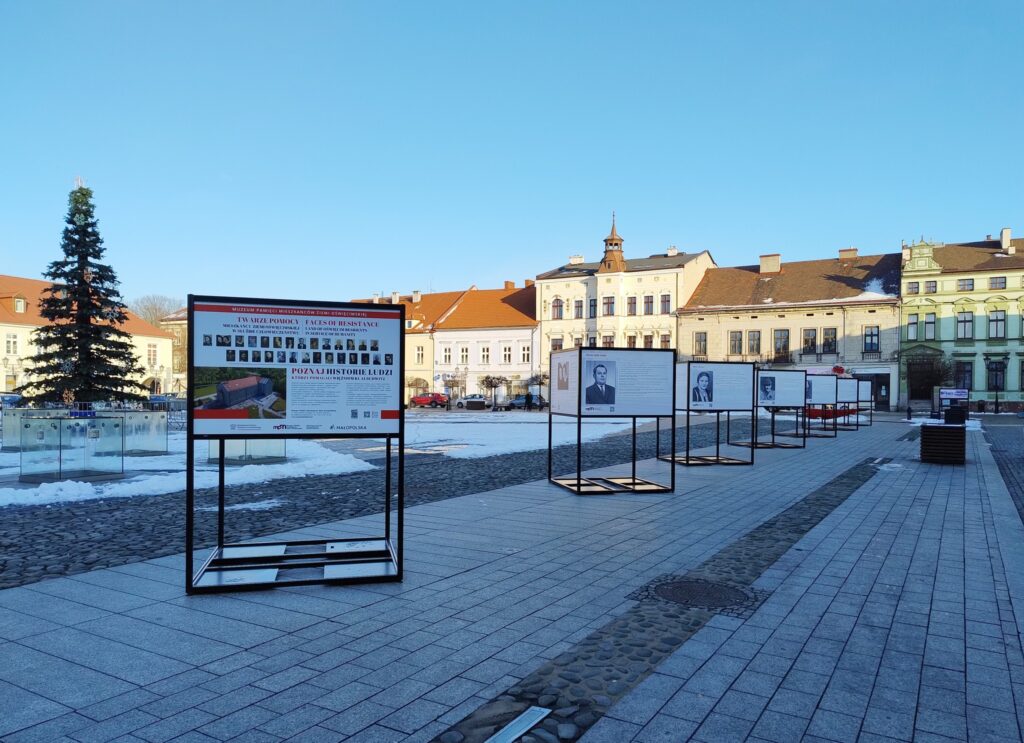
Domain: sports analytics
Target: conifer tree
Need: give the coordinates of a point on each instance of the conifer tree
(82, 354)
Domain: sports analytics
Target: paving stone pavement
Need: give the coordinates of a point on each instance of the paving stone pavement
(38, 542)
(896, 615)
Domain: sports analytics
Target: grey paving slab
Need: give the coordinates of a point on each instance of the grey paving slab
(21, 709)
(870, 610)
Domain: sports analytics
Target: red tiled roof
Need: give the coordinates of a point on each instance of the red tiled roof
(32, 289)
(984, 255)
(240, 384)
(493, 308)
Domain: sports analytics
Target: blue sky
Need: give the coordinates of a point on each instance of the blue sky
(329, 150)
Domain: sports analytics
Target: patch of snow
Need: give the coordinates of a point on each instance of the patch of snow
(972, 423)
(874, 286)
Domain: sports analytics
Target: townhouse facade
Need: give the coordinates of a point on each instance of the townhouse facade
(819, 316)
(19, 317)
(616, 301)
(455, 339)
(963, 320)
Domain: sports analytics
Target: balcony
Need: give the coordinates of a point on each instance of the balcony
(779, 357)
(808, 356)
(699, 357)
(871, 355)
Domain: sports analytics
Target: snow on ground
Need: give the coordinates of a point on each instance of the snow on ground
(458, 435)
(162, 474)
(469, 435)
(973, 424)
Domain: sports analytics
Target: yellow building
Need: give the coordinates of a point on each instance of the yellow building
(19, 316)
(962, 320)
(814, 315)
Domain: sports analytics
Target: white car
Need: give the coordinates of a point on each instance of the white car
(463, 402)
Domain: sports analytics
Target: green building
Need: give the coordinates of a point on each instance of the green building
(962, 321)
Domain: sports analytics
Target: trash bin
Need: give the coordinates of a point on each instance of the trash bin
(943, 444)
(475, 405)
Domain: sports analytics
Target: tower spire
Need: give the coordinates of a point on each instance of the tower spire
(613, 259)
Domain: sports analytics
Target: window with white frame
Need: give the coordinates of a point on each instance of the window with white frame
(20, 305)
(11, 346)
(911, 327)
(485, 354)
(524, 354)
(446, 355)
(151, 354)
(419, 355)
(997, 324)
(964, 325)
(506, 354)
(463, 354)
(929, 326)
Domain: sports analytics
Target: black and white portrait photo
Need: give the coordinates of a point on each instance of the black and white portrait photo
(703, 391)
(766, 389)
(207, 340)
(602, 391)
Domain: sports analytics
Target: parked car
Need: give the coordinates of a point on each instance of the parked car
(463, 402)
(9, 400)
(428, 399)
(519, 402)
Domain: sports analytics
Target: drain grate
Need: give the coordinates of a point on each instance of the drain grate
(702, 594)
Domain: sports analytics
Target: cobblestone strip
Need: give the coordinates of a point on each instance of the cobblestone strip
(582, 684)
(1006, 450)
(39, 542)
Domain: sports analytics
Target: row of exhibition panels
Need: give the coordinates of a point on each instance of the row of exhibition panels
(608, 382)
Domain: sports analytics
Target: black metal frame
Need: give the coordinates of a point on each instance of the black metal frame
(692, 460)
(773, 410)
(828, 432)
(871, 404)
(240, 566)
(846, 425)
(606, 485)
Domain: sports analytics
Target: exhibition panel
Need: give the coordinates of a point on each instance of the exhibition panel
(610, 383)
(262, 371)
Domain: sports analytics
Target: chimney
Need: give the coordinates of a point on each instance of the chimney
(510, 285)
(906, 253)
(416, 295)
(394, 297)
(848, 254)
(1004, 241)
(528, 283)
(672, 251)
(771, 263)
(376, 298)
(575, 260)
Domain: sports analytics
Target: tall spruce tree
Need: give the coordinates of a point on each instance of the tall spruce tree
(83, 354)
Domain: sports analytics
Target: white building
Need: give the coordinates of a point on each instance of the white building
(617, 301)
(489, 332)
(19, 316)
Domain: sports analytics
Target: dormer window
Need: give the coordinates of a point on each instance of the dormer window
(20, 305)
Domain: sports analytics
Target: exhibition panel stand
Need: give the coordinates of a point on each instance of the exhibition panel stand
(631, 383)
(847, 404)
(714, 387)
(865, 401)
(266, 370)
(779, 391)
(821, 412)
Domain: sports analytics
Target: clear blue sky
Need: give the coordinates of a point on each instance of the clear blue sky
(328, 150)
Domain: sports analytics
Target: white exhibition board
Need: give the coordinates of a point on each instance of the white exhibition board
(822, 389)
(785, 389)
(626, 382)
(280, 368)
(565, 389)
(846, 390)
(864, 391)
(708, 385)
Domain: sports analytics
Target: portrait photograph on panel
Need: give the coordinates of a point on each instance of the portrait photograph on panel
(600, 378)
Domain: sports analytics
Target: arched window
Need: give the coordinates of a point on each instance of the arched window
(556, 309)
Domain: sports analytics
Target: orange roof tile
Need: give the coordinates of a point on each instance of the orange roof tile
(427, 311)
(32, 290)
(494, 308)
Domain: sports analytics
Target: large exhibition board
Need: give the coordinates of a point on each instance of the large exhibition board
(290, 368)
(784, 389)
(625, 382)
(714, 386)
(822, 389)
(565, 381)
(846, 390)
(864, 391)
